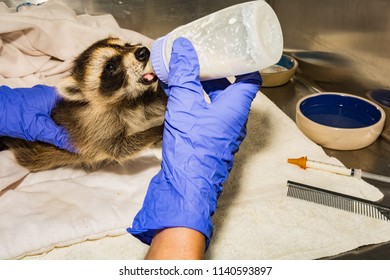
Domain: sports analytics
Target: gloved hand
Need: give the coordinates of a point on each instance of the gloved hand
(25, 113)
(199, 143)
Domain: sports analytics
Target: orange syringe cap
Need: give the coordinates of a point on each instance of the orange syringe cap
(301, 162)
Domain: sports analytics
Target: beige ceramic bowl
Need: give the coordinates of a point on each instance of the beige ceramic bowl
(279, 73)
(339, 121)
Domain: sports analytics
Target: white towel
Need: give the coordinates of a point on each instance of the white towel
(255, 218)
(70, 214)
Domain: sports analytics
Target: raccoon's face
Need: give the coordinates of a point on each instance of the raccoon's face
(109, 71)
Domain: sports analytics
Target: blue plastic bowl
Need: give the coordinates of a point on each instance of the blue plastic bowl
(340, 121)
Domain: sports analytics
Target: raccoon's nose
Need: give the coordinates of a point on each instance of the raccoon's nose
(142, 54)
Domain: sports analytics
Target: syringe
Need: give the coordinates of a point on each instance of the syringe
(304, 163)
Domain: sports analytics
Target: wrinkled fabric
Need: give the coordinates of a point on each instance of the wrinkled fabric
(199, 143)
(38, 45)
(25, 113)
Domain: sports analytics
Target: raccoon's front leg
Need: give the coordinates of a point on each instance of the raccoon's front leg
(40, 156)
(124, 149)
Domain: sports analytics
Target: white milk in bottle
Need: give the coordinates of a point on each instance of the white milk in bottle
(240, 39)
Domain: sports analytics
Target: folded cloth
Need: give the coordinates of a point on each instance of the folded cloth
(67, 208)
(38, 45)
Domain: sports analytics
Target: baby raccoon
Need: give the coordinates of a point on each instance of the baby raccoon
(112, 107)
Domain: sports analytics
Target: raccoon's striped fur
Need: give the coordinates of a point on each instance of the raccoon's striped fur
(112, 107)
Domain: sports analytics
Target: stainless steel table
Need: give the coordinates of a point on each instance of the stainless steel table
(374, 158)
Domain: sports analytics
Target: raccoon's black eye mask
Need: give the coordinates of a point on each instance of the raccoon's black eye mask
(112, 65)
(113, 76)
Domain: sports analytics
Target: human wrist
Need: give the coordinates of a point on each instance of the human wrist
(177, 243)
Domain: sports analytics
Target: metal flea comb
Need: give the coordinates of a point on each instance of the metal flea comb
(338, 200)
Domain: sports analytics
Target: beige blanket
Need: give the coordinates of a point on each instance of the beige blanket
(38, 44)
(71, 214)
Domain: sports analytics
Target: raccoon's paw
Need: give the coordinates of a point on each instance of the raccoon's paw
(39, 157)
(32, 162)
(95, 166)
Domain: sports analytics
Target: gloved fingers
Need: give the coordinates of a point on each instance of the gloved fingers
(250, 78)
(235, 102)
(46, 130)
(185, 89)
(245, 88)
(39, 97)
(63, 142)
(214, 87)
(44, 97)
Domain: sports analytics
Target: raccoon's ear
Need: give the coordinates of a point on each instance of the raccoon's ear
(70, 89)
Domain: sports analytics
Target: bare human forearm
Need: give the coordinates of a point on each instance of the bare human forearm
(177, 244)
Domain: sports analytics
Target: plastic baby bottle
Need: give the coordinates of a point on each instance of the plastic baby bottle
(237, 40)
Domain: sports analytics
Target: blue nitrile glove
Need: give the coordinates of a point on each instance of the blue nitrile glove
(199, 143)
(25, 113)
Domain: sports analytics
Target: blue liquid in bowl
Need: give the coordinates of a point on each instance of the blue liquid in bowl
(286, 62)
(340, 111)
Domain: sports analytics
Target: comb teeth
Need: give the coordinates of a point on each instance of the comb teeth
(338, 200)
